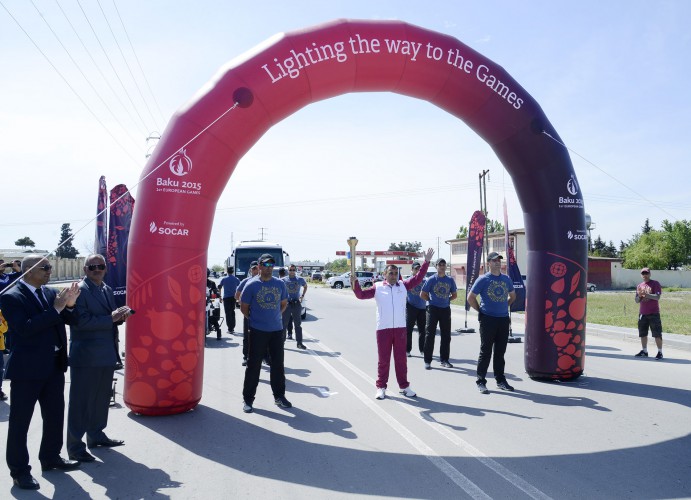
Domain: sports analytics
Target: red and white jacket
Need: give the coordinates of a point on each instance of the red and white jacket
(391, 299)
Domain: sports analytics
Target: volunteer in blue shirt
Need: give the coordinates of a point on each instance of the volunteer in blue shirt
(496, 295)
(415, 312)
(229, 285)
(297, 288)
(262, 302)
(439, 290)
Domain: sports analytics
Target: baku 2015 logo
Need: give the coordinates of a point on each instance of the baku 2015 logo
(180, 164)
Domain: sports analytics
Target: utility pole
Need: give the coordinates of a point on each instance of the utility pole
(262, 229)
(483, 208)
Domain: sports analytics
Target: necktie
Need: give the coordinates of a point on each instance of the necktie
(42, 299)
(44, 302)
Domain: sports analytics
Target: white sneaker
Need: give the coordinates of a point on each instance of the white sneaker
(381, 393)
(408, 392)
(428, 366)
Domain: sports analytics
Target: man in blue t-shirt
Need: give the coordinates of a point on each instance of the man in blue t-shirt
(439, 290)
(496, 295)
(415, 312)
(294, 285)
(229, 285)
(262, 302)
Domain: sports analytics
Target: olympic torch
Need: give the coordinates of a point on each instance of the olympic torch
(352, 243)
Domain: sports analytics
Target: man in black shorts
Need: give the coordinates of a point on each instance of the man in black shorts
(648, 294)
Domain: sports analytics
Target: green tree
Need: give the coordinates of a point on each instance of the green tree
(493, 226)
(667, 248)
(66, 251)
(25, 242)
(646, 227)
(338, 266)
(462, 232)
(647, 250)
(218, 268)
(408, 246)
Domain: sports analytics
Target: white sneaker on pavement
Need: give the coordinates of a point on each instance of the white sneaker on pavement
(408, 392)
(381, 393)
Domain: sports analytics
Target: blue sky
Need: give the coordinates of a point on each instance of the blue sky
(612, 77)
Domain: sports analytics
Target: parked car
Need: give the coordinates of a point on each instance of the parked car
(366, 278)
(316, 276)
(591, 287)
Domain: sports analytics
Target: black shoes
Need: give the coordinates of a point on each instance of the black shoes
(282, 402)
(642, 354)
(59, 464)
(82, 456)
(26, 482)
(504, 386)
(482, 388)
(301, 346)
(446, 364)
(3, 396)
(107, 443)
(659, 355)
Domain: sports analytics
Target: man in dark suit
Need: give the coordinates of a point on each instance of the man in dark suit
(92, 361)
(37, 316)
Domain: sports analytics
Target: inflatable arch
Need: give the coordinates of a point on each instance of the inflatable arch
(206, 139)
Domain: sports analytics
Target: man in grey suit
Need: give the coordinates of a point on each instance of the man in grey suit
(92, 361)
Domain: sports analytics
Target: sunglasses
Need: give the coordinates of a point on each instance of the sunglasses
(93, 267)
(46, 267)
(267, 264)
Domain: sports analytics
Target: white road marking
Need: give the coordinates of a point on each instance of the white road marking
(466, 484)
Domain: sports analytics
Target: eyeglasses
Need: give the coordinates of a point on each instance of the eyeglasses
(267, 264)
(645, 272)
(46, 267)
(93, 267)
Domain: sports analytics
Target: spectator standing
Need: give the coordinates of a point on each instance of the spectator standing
(92, 361)
(648, 294)
(37, 316)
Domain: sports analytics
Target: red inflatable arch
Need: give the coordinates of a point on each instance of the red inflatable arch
(203, 143)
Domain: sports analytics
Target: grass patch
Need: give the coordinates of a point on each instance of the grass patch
(619, 309)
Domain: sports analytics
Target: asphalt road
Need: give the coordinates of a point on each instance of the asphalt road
(622, 430)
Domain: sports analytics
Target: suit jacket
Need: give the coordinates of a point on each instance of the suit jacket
(92, 337)
(35, 333)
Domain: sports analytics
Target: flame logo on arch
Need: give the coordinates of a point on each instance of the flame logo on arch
(180, 164)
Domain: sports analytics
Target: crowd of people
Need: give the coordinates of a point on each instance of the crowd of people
(35, 316)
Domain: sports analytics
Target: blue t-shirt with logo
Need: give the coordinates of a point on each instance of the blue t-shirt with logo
(230, 286)
(264, 298)
(439, 289)
(494, 294)
(244, 282)
(293, 285)
(414, 297)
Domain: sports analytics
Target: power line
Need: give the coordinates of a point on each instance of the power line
(136, 84)
(146, 80)
(67, 83)
(100, 71)
(611, 176)
(117, 75)
(69, 54)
